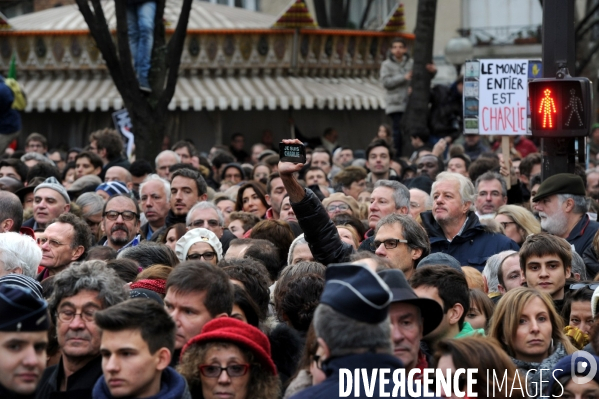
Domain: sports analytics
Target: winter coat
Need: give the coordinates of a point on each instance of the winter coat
(472, 247)
(319, 231)
(172, 386)
(286, 346)
(395, 83)
(79, 384)
(535, 376)
(329, 388)
(581, 236)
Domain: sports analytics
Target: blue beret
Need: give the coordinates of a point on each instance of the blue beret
(22, 310)
(356, 292)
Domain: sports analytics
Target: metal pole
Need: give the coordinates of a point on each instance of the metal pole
(558, 155)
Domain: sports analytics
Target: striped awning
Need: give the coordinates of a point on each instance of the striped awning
(92, 93)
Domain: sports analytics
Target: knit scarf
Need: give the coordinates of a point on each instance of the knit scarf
(534, 377)
(172, 386)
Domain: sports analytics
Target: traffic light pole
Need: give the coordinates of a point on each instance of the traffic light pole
(559, 155)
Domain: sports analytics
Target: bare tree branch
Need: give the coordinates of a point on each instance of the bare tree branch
(365, 14)
(173, 54)
(125, 65)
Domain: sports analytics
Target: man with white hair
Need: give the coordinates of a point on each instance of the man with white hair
(164, 161)
(207, 215)
(454, 228)
(562, 206)
(155, 199)
(19, 254)
(420, 202)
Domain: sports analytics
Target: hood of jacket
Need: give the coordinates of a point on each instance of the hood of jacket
(172, 386)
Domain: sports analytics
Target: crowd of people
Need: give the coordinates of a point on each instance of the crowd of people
(232, 274)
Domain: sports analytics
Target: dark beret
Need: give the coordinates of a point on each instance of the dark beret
(562, 183)
(22, 310)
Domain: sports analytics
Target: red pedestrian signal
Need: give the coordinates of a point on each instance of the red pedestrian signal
(560, 107)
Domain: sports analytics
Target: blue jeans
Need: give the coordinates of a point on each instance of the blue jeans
(140, 24)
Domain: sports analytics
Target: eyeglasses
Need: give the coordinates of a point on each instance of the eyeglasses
(574, 287)
(201, 222)
(234, 370)
(505, 224)
(127, 215)
(52, 243)
(205, 255)
(68, 315)
(340, 208)
(389, 244)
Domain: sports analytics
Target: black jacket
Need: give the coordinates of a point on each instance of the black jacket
(79, 385)
(330, 388)
(472, 247)
(6, 394)
(320, 232)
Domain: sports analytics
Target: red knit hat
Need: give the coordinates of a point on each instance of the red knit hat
(157, 285)
(237, 332)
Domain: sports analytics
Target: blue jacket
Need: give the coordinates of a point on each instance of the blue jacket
(472, 247)
(10, 119)
(329, 388)
(172, 386)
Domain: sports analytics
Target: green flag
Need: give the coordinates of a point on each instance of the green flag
(12, 70)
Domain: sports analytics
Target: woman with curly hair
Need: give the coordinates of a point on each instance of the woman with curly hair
(229, 357)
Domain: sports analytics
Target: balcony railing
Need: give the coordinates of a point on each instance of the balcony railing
(503, 35)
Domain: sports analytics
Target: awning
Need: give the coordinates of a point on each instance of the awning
(54, 93)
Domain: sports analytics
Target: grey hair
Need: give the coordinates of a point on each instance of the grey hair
(357, 336)
(491, 270)
(490, 176)
(167, 152)
(467, 191)
(38, 157)
(298, 240)
(581, 203)
(401, 194)
(93, 200)
(155, 177)
(428, 201)
(578, 266)
(22, 251)
(92, 275)
(412, 232)
(205, 205)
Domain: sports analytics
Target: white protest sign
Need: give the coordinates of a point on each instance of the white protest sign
(502, 98)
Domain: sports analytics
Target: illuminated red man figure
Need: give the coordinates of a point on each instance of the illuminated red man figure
(547, 108)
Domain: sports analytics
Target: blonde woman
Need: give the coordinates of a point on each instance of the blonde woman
(530, 331)
(518, 222)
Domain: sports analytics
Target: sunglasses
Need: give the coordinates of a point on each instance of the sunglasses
(577, 286)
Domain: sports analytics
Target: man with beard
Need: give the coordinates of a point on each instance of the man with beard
(79, 292)
(562, 207)
(120, 222)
